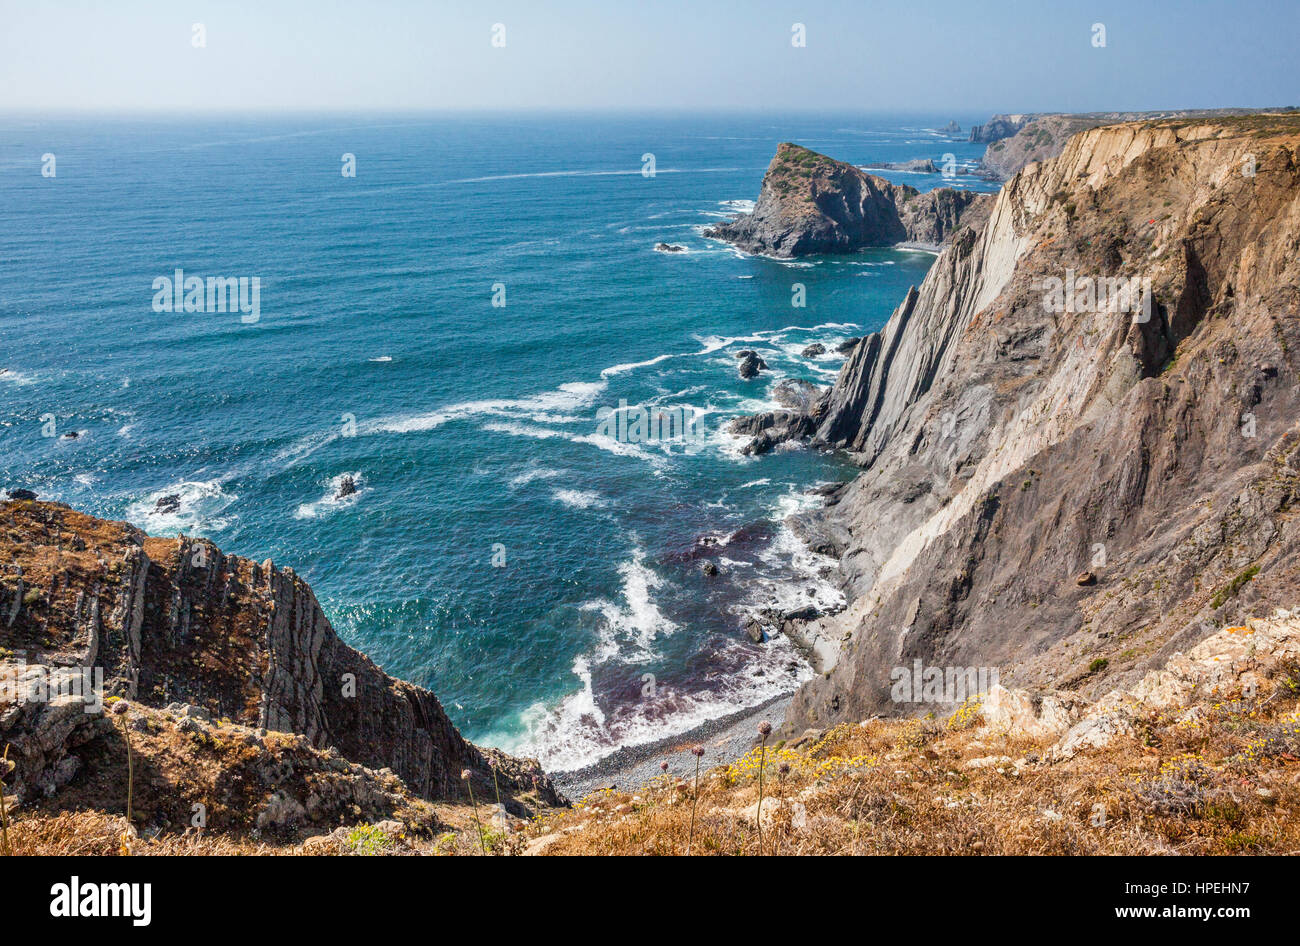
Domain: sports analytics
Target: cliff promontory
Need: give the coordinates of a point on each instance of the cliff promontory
(240, 695)
(809, 203)
(1079, 434)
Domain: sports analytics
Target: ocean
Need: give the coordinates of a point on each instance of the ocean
(541, 576)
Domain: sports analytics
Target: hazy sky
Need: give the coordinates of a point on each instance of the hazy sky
(940, 56)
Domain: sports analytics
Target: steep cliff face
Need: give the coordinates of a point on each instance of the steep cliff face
(810, 203)
(171, 621)
(998, 127)
(1012, 443)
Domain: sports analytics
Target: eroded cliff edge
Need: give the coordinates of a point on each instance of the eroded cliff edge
(247, 652)
(1071, 496)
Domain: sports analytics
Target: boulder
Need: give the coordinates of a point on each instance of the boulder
(750, 364)
(167, 504)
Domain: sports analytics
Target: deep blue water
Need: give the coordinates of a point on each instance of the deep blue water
(468, 428)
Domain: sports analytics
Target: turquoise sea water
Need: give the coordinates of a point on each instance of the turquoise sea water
(470, 430)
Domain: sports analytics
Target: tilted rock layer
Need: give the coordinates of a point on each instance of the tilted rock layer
(177, 621)
(1011, 443)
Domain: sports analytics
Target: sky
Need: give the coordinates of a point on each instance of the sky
(937, 56)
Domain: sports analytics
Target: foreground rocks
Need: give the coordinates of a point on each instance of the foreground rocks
(176, 622)
(1235, 661)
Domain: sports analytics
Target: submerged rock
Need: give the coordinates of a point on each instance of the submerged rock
(167, 504)
(347, 486)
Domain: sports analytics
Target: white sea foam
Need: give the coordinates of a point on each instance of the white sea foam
(568, 397)
(16, 377)
(331, 502)
(578, 498)
(534, 473)
(202, 509)
(578, 730)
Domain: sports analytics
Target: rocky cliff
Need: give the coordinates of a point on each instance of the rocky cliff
(1070, 486)
(998, 127)
(218, 639)
(1031, 138)
(809, 203)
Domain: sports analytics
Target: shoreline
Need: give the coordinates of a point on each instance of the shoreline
(631, 767)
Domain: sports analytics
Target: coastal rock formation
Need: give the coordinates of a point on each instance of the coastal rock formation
(917, 165)
(1039, 137)
(810, 203)
(177, 621)
(749, 364)
(1010, 444)
(998, 127)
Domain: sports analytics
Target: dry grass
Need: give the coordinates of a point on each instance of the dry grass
(1220, 778)
(1224, 781)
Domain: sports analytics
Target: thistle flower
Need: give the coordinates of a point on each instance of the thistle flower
(764, 730)
(697, 750)
(467, 775)
(663, 766)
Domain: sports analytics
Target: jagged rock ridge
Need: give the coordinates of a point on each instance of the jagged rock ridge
(177, 621)
(810, 203)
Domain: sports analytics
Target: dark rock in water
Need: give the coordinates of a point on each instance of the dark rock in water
(71, 435)
(709, 569)
(750, 364)
(771, 428)
(670, 248)
(806, 613)
(919, 165)
(169, 503)
(797, 395)
(757, 423)
(847, 345)
(813, 350)
(21, 494)
(820, 533)
(347, 486)
(952, 128)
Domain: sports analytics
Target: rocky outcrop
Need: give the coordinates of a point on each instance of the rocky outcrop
(1032, 138)
(811, 204)
(1011, 444)
(1233, 664)
(916, 166)
(178, 621)
(998, 127)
